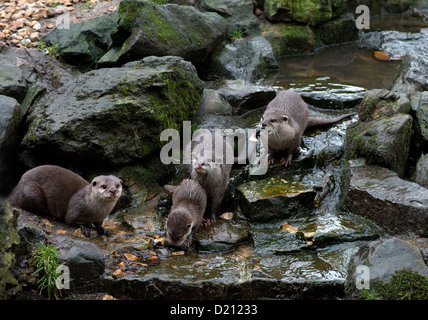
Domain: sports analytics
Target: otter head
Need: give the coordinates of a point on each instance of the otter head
(107, 188)
(276, 123)
(205, 164)
(179, 226)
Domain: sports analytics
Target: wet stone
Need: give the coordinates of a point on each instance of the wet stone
(394, 204)
(277, 197)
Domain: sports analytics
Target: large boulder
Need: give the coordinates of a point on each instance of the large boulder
(83, 43)
(308, 11)
(397, 205)
(384, 141)
(145, 28)
(115, 114)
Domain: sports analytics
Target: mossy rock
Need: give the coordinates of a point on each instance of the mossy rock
(115, 115)
(145, 28)
(305, 11)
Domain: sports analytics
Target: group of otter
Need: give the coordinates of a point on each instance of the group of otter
(61, 193)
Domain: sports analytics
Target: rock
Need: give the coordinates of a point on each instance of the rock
(419, 102)
(247, 59)
(243, 96)
(421, 173)
(9, 120)
(191, 276)
(383, 258)
(311, 232)
(383, 141)
(275, 198)
(95, 116)
(238, 13)
(394, 204)
(287, 39)
(339, 30)
(222, 236)
(328, 95)
(312, 11)
(8, 240)
(83, 258)
(34, 36)
(83, 43)
(214, 103)
(394, 6)
(145, 28)
(13, 80)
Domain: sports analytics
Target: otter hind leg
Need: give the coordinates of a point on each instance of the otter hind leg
(286, 161)
(32, 198)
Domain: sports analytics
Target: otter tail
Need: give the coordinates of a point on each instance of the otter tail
(314, 122)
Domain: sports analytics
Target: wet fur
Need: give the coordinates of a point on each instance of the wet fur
(189, 202)
(213, 177)
(286, 118)
(62, 194)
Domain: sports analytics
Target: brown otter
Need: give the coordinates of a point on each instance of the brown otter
(63, 194)
(209, 152)
(285, 119)
(187, 211)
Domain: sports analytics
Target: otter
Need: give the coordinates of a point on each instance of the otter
(187, 211)
(285, 119)
(209, 167)
(64, 195)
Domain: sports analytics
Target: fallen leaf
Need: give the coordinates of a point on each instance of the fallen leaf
(177, 253)
(380, 55)
(160, 241)
(121, 265)
(257, 268)
(117, 273)
(61, 232)
(130, 256)
(107, 297)
(286, 227)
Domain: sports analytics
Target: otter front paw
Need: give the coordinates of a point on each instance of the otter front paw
(86, 231)
(101, 230)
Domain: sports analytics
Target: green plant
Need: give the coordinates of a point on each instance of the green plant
(369, 294)
(160, 1)
(406, 285)
(236, 32)
(52, 49)
(46, 261)
(55, 4)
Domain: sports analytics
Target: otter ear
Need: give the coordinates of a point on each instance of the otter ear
(94, 183)
(189, 226)
(120, 181)
(285, 118)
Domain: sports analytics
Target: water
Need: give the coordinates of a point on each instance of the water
(345, 64)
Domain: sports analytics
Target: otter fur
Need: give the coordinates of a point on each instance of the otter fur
(285, 120)
(209, 167)
(188, 206)
(64, 195)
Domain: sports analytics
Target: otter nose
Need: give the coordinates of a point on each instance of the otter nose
(113, 190)
(263, 124)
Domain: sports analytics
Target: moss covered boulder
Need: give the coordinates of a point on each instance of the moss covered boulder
(305, 11)
(83, 43)
(115, 114)
(145, 28)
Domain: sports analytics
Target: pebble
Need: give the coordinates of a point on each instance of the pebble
(22, 21)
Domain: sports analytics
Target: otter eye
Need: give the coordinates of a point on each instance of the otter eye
(189, 226)
(117, 186)
(273, 120)
(104, 186)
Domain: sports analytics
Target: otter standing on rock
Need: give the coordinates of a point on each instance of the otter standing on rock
(285, 119)
(187, 211)
(209, 167)
(63, 194)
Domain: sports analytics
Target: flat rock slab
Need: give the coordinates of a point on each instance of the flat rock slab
(273, 198)
(195, 276)
(396, 205)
